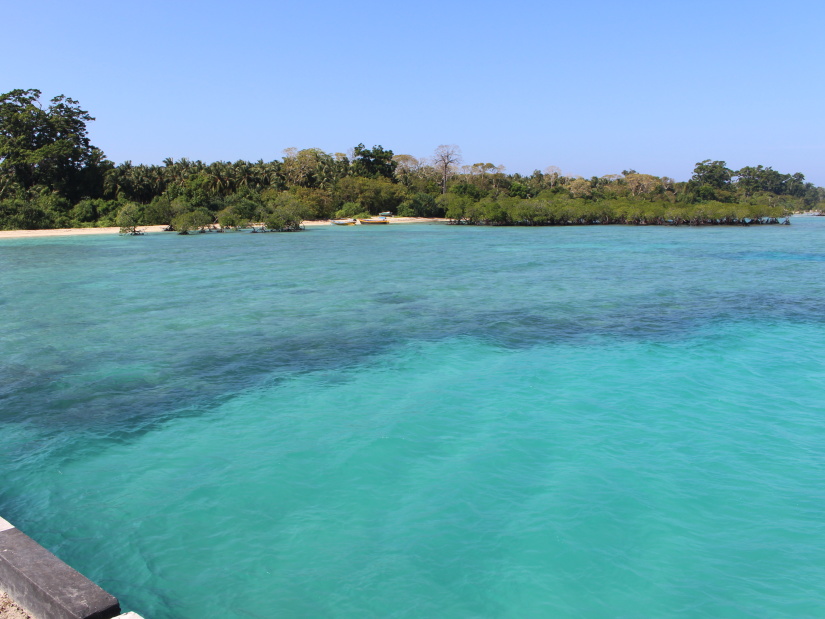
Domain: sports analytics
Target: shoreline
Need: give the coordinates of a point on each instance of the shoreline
(25, 234)
(51, 232)
(392, 220)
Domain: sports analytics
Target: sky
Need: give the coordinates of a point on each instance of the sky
(593, 87)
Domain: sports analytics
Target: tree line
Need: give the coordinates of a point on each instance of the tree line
(51, 176)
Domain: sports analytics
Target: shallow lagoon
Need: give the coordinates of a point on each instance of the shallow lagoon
(423, 420)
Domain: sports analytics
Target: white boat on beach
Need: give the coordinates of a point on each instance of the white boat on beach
(343, 222)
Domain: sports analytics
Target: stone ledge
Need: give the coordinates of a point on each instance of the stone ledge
(45, 586)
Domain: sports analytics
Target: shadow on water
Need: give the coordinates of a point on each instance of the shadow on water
(76, 394)
(111, 337)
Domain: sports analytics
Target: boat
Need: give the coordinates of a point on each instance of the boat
(344, 222)
(374, 220)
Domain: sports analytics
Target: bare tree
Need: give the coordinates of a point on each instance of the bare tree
(407, 164)
(553, 173)
(446, 157)
(642, 183)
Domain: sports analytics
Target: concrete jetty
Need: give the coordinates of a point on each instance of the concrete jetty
(45, 587)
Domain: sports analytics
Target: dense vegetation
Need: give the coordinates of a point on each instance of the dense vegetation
(52, 177)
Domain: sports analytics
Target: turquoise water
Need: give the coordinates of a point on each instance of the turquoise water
(423, 421)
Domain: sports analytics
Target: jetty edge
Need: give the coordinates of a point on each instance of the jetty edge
(47, 588)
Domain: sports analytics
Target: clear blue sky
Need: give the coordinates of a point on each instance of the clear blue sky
(592, 87)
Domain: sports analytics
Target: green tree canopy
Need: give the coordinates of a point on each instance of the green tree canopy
(375, 195)
(374, 163)
(714, 174)
(45, 146)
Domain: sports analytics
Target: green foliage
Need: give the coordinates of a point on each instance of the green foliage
(21, 214)
(84, 212)
(320, 202)
(705, 192)
(239, 213)
(566, 211)
(457, 208)
(374, 163)
(420, 204)
(310, 167)
(51, 176)
(45, 146)
(374, 195)
(159, 211)
(198, 219)
(714, 174)
(229, 218)
(90, 211)
(285, 213)
(470, 190)
(518, 190)
(350, 210)
(129, 217)
(57, 209)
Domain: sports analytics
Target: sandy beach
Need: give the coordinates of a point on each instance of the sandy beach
(22, 234)
(10, 610)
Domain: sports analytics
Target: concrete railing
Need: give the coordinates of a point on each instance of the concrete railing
(44, 586)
